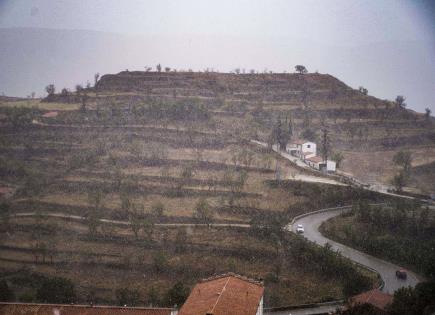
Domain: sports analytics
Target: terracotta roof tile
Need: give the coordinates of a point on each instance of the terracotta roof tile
(315, 159)
(54, 309)
(50, 114)
(224, 295)
(374, 297)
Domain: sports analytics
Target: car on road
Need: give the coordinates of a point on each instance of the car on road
(300, 228)
(401, 274)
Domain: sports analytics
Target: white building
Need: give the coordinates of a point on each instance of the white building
(302, 149)
(318, 163)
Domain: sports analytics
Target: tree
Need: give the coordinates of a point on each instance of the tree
(338, 157)
(180, 240)
(399, 180)
(157, 209)
(5, 212)
(301, 69)
(84, 100)
(363, 90)
(135, 224)
(50, 89)
(326, 143)
(6, 293)
(56, 290)
(148, 229)
(176, 295)
(400, 101)
(167, 69)
(404, 160)
(404, 302)
(282, 132)
(159, 68)
(153, 296)
(427, 113)
(96, 77)
(160, 262)
(203, 213)
(79, 88)
(127, 297)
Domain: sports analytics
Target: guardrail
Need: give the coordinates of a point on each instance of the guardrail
(302, 306)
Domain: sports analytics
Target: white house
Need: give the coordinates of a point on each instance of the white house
(318, 163)
(302, 149)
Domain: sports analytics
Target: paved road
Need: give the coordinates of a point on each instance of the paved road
(387, 270)
(127, 223)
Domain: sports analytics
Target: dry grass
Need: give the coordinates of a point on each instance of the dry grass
(36, 103)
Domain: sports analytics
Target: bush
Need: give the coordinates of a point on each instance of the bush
(176, 295)
(56, 290)
(6, 293)
(129, 297)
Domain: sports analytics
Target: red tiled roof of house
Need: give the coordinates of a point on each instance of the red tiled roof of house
(300, 141)
(6, 190)
(315, 159)
(55, 309)
(224, 295)
(374, 297)
(50, 114)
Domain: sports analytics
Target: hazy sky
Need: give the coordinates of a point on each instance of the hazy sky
(271, 24)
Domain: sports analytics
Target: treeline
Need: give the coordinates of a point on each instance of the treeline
(59, 290)
(308, 256)
(403, 232)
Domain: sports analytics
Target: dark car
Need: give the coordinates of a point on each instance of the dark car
(401, 274)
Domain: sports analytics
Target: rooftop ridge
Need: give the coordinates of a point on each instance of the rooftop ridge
(234, 275)
(88, 305)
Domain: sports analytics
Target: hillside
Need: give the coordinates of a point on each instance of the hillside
(366, 129)
(161, 168)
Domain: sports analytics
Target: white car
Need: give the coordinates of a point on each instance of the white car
(300, 228)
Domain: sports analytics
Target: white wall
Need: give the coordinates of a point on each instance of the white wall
(260, 307)
(330, 166)
(309, 147)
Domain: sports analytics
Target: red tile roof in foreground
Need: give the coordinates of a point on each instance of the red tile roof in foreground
(374, 297)
(224, 295)
(57, 309)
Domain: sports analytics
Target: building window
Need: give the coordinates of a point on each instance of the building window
(308, 146)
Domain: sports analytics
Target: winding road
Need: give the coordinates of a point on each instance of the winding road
(311, 224)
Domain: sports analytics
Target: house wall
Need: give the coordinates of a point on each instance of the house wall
(260, 308)
(309, 147)
(330, 166)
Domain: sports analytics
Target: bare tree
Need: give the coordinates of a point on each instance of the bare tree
(400, 101)
(96, 77)
(363, 90)
(159, 68)
(50, 89)
(427, 113)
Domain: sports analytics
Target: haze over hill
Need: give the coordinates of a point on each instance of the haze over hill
(31, 58)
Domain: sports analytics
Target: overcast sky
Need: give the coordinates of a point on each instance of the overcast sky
(275, 26)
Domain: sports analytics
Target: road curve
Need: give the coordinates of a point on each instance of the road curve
(387, 270)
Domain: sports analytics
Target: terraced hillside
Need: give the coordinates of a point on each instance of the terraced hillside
(366, 129)
(150, 149)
